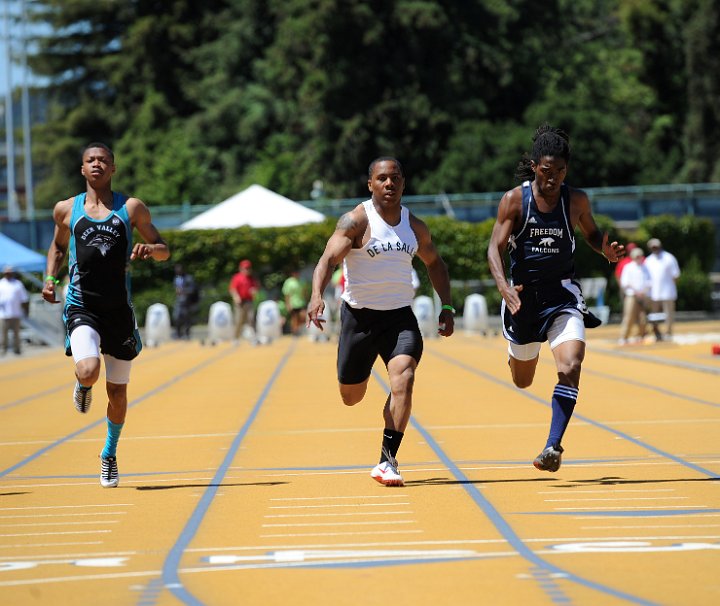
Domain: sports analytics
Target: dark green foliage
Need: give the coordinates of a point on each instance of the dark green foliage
(201, 99)
(690, 239)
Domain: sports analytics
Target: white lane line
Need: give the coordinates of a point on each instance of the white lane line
(337, 505)
(88, 577)
(64, 506)
(125, 439)
(343, 523)
(585, 500)
(28, 545)
(47, 534)
(125, 481)
(65, 515)
(694, 515)
(59, 523)
(334, 514)
(632, 507)
(338, 534)
(647, 526)
(72, 556)
(360, 496)
(609, 490)
(452, 542)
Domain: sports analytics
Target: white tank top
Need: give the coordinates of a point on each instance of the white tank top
(379, 275)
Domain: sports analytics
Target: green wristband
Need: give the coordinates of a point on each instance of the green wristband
(52, 279)
(449, 308)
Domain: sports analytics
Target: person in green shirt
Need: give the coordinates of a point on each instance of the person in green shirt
(293, 290)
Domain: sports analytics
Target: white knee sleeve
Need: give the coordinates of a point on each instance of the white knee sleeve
(84, 343)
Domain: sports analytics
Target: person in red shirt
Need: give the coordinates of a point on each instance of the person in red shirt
(624, 261)
(243, 287)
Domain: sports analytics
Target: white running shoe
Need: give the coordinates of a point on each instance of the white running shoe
(82, 396)
(387, 473)
(109, 472)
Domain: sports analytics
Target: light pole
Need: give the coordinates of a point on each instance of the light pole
(13, 207)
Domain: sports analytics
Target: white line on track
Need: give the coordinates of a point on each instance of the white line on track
(360, 496)
(28, 545)
(73, 556)
(339, 534)
(635, 516)
(584, 500)
(65, 515)
(609, 490)
(633, 507)
(59, 522)
(338, 505)
(335, 514)
(64, 506)
(343, 523)
(646, 526)
(48, 534)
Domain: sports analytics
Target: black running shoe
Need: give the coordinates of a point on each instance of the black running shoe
(549, 459)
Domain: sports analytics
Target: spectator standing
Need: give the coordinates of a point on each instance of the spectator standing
(635, 285)
(243, 288)
(664, 272)
(186, 301)
(623, 262)
(14, 305)
(293, 290)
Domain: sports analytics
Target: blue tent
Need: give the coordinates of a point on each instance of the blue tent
(21, 258)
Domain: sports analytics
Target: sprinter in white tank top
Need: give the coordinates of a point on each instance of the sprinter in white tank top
(376, 243)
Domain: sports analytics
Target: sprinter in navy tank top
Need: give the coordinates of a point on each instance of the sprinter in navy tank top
(96, 227)
(536, 224)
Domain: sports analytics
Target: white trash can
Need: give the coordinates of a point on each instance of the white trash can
(424, 310)
(220, 322)
(157, 325)
(475, 314)
(268, 322)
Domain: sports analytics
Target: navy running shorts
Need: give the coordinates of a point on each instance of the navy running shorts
(540, 305)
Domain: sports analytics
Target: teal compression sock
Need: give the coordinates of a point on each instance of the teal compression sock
(113, 435)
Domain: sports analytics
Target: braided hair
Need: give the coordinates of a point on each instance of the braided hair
(547, 141)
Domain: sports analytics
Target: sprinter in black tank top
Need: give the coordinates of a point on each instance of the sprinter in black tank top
(94, 229)
(536, 224)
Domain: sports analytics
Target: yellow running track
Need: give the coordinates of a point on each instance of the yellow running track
(245, 481)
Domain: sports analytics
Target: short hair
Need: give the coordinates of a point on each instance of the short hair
(385, 159)
(101, 146)
(547, 141)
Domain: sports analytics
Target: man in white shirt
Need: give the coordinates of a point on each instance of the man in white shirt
(664, 272)
(13, 306)
(635, 283)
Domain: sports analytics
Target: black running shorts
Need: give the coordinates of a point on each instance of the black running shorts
(366, 334)
(119, 336)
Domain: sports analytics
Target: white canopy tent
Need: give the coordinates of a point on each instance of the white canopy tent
(255, 206)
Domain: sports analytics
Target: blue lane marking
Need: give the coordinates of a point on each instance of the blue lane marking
(665, 392)
(34, 396)
(576, 415)
(102, 420)
(508, 533)
(170, 576)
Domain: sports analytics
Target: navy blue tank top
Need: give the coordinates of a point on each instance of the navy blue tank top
(543, 249)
